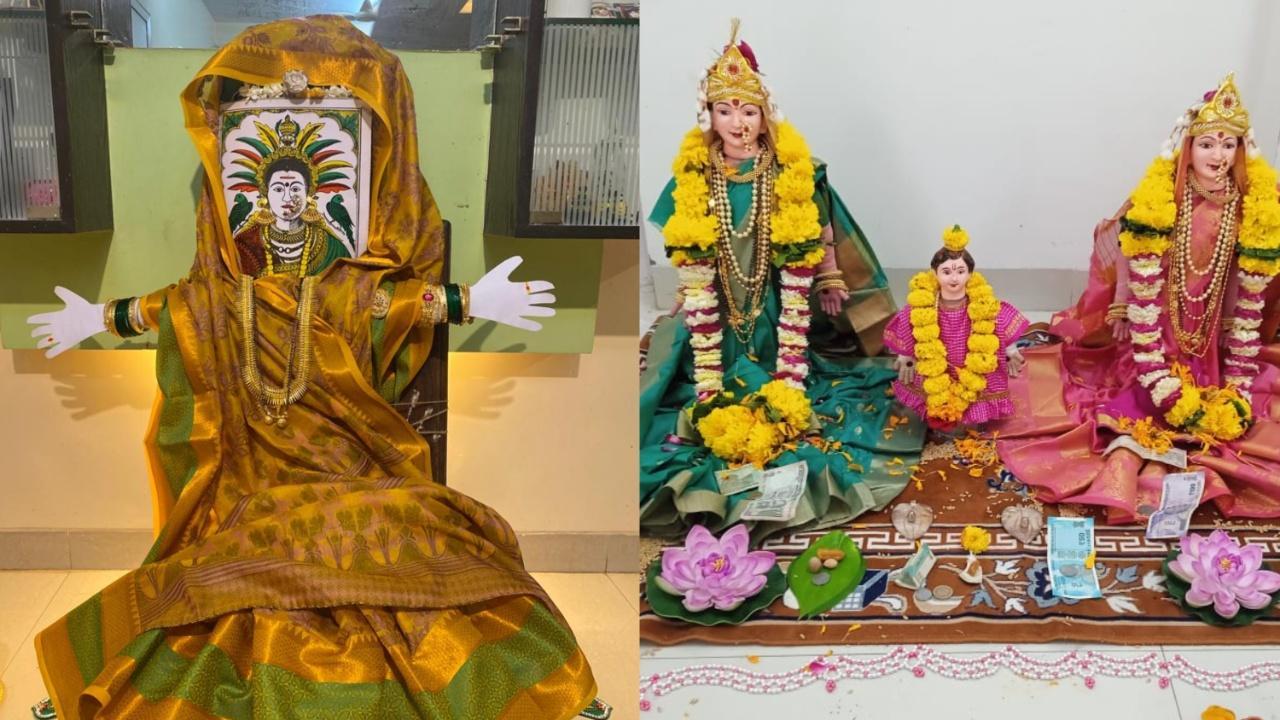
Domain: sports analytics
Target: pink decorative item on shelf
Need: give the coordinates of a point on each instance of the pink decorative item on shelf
(709, 572)
(1224, 574)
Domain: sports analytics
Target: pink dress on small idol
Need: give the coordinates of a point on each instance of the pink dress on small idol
(954, 327)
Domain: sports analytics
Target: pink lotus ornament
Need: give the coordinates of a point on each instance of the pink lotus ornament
(1223, 573)
(708, 572)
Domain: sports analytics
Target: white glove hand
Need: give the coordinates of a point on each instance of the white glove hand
(906, 368)
(495, 297)
(64, 329)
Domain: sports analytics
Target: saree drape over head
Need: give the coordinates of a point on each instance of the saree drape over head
(313, 570)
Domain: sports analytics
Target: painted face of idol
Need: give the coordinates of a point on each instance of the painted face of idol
(738, 126)
(953, 279)
(1212, 156)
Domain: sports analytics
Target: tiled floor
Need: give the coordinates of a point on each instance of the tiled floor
(1003, 695)
(600, 608)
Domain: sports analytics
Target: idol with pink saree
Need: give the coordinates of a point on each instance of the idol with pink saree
(1172, 341)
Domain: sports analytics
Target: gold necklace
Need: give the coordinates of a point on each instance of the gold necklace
(742, 318)
(275, 401)
(307, 232)
(1226, 195)
(1196, 342)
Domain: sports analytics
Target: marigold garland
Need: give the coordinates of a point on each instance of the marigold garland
(947, 398)
(796, 248)
(755, 429)
(1216, 413)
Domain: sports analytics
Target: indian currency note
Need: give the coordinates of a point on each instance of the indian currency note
(1173, 457)
(1070, 545)
(780, 491)
(915, 573)
(1178, 500)
(739, 479)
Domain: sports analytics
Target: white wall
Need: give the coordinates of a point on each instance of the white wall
(180, 23)
(1026, 122)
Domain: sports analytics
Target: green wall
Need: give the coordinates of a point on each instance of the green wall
(155, 177)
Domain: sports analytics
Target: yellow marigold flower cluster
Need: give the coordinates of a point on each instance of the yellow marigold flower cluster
(946, 399)
(795, 221)
(1260, 224)
(1220, 413)
(690, 226)
(1147, 434)
(1153, 206)
(748, 431)
(975, 539)
(955, 238)
(789, 402)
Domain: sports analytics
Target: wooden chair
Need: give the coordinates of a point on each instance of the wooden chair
(425, 402)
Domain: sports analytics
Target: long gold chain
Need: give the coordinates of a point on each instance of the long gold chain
(275, 401)
(743, 317)
(1196, 342)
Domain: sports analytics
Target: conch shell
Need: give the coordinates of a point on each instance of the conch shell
(1023, 522)
(912, 519)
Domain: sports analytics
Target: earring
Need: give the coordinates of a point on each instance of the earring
(263, 215)
(311, 215)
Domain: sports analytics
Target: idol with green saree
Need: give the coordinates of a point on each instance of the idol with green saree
(307, 564)
(771, 359)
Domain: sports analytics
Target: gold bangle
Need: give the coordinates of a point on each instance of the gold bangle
(828, 284)
(433, 306)
(465, 291)
(108, 316)
(136, 320)
(829, 274)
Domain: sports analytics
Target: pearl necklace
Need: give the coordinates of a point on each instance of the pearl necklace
(1196, 342)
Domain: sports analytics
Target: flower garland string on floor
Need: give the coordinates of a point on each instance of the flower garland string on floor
(694, 230)
(921, 660)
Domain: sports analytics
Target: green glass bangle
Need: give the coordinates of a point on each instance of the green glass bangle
(121, 317)
(453, 303)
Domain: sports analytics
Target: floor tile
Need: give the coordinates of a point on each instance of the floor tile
(23, 685)
(24, 594)
(629, 585)
(1262, 700)
(606, 628)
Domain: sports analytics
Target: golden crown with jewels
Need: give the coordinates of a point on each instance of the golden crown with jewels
(1222, 111)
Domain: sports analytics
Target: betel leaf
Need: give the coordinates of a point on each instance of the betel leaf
(669, 606)
(844, 577)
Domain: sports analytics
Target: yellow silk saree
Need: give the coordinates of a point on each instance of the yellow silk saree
(313, 569)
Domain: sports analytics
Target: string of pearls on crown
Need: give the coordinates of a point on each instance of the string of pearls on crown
(921, 660)
(294, 85)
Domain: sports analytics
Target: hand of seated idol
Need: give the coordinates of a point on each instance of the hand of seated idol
(495, 297)
(906, 368)
(64, 329)
(832, 300)
(1016, 361)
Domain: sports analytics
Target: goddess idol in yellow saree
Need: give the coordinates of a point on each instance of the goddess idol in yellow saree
(307, 565)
